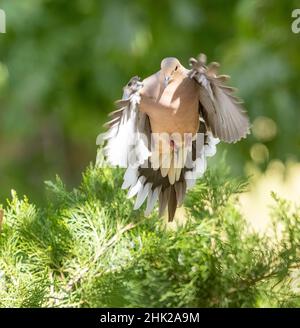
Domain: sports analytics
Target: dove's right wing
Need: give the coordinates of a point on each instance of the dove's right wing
(222, 110)
(129, 130)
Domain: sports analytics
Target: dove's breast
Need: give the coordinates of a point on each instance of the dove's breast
(173, 108)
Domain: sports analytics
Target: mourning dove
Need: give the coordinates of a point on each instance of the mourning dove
(166, 125)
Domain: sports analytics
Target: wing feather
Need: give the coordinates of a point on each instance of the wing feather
(222, 110)
(125, 142)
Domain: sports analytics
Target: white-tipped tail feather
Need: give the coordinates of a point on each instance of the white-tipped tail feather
(142, 195)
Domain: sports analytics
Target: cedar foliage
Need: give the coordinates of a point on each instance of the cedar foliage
(88, 248)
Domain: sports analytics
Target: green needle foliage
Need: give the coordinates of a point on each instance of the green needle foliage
(88, 248)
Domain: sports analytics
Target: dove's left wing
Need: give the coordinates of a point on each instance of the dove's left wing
(127, 140)
(221, 109)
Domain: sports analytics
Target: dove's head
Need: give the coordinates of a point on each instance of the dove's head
(170, 67)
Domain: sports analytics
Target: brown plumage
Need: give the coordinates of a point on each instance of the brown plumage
(172, 102)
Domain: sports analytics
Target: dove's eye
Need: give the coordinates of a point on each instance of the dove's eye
(176, 68)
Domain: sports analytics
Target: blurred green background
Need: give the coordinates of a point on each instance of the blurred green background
(63, 63)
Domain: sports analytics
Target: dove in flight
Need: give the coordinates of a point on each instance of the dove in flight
(166, 126)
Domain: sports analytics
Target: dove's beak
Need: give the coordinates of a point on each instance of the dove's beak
(167, 80)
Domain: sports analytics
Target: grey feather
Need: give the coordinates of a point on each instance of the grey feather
(180, 188)
(152, 198)
(222, 110)
(130, 177)
(137, 187)
(172, 203)
(163, 200)
(142, 195)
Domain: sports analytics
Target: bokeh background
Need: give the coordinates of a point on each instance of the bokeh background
(63, 63)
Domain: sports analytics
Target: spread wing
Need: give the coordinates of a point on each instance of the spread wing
(221, 109)
(128, 132)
